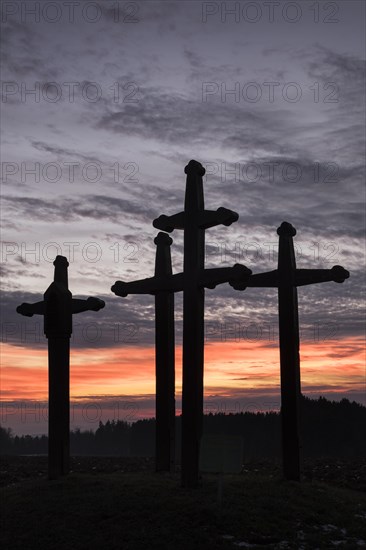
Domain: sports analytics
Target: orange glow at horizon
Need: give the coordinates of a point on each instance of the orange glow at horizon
(229, 367)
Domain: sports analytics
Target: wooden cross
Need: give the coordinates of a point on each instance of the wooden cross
(57, 309)
(163, 285)
(287, 278)
(164, 348)
(194, 220)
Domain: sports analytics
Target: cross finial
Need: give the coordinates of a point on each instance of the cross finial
(194, 168)
(61, 264)
(286, 230)
(162, 238)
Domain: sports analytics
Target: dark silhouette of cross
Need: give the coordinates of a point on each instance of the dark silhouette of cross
(57, 308)
(161, 285)
(287, 278)
(194, 220)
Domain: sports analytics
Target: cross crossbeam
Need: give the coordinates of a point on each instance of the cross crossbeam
(175, 283)
(57, 308)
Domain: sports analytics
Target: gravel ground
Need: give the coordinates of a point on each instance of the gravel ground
(341, 473)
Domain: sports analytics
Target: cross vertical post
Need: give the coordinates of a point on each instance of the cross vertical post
(165, 361)
(162, 285)
(193, 325)
(289, 353)
(57, 309)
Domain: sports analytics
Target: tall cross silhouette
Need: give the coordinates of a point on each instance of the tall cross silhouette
(57, 308)
(194, 220)
(287, 278)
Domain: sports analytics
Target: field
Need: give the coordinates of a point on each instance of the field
(117, 503)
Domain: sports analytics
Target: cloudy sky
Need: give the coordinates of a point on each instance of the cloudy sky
(103, 104)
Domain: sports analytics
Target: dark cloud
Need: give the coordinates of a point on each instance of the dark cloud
(118, 324)
(60, 153)
(22, 54)
(96, 207)
(177, 119)
(330, 191)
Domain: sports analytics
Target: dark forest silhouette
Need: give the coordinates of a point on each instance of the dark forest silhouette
(330, 430)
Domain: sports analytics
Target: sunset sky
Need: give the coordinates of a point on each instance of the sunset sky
(103, 104)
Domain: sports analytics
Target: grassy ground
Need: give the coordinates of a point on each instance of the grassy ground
(143, 510)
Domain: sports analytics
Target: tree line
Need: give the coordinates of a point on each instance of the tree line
(329, 430)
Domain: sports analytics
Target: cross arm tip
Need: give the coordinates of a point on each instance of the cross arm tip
(162, 222)
(95, 304)
(227, 216)
(119, 289)
(25, 309)
(339, 274)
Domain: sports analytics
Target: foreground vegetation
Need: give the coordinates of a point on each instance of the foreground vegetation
(144, 510)
(118, 502)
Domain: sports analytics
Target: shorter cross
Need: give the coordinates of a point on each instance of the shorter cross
(163, 285)
(287, 278)
(57, 309)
